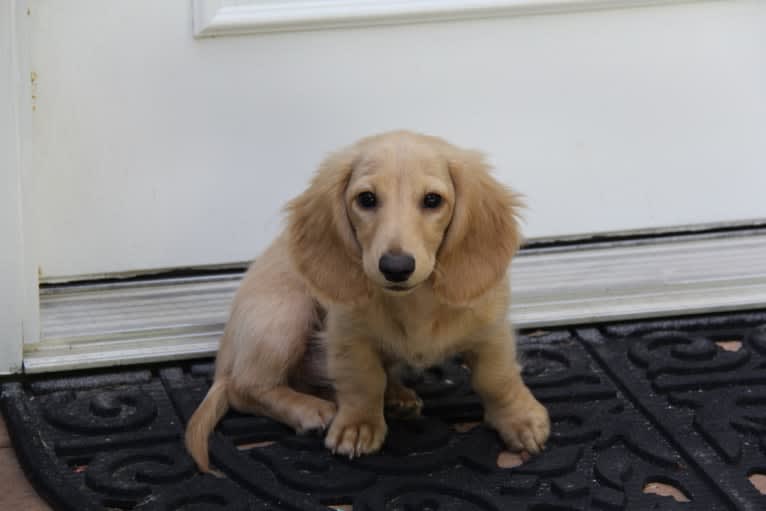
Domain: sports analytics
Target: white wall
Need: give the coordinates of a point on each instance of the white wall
(153, 149)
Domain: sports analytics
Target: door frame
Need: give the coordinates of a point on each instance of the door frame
(19, 296)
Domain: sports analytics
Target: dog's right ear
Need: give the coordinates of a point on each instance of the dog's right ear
(320, 238)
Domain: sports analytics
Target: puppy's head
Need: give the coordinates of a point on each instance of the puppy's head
(399, 210)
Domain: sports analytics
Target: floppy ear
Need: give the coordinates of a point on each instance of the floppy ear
(483, 234)
(320, 238)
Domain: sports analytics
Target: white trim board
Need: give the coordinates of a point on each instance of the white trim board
(214, 18)
(100, 325)
(18, 277)
(11, 255)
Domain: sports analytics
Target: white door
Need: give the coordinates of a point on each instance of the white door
(168, 134)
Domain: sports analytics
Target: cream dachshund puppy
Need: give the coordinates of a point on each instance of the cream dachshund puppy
(397, 253)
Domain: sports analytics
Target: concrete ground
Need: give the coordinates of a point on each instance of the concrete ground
(15, 490)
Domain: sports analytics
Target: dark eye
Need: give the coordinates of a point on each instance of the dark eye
(432, 200)
(367, 200)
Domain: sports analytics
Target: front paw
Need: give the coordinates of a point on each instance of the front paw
(354, 434)
(524, 425)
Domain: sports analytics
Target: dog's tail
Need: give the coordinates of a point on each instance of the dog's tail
(203, 421)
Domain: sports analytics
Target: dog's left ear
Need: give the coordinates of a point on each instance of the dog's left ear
(483, 234)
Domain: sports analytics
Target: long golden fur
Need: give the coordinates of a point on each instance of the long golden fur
(323, 278)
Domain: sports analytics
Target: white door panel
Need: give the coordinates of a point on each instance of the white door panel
(153, 149)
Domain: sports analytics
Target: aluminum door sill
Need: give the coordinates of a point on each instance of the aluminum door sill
(88, 326)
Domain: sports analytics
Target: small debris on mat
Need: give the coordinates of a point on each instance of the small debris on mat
(254, 445)
(508, 459)
(730, 345)
(464, 427)
(666, 490)
(759, 481)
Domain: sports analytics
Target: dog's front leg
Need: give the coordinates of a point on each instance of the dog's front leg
(509, 406)
(359, 378)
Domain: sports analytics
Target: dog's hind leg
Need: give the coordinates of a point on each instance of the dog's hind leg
(302, 412)
(272, 319)
(258, 381)
(401, 401)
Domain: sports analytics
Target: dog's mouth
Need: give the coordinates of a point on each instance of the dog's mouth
(400, 289)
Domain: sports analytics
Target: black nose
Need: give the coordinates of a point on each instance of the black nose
(396, 267)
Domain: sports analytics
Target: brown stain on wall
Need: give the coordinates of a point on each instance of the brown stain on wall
(33, 79)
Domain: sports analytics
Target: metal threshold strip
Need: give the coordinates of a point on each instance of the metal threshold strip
(97, 325)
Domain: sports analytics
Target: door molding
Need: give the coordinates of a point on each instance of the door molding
(19, 319)
(154, 320)
(213, 18)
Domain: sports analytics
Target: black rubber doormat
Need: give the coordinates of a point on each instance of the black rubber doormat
(640, 410)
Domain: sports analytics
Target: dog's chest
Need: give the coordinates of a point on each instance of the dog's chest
(420, 335)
